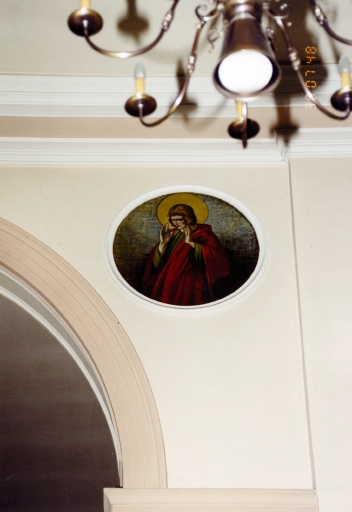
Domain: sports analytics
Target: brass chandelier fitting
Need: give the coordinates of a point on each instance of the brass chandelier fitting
(247, 67)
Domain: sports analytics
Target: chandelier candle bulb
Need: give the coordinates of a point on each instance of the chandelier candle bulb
(345, 71)
(85, 4)
(239, 109)
(140, 86)
(139, 76)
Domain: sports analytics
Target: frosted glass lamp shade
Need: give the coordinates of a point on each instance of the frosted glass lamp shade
(245, 71)
(247, 66)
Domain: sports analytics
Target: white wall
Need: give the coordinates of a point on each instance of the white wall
(323, 213)
(228, 382)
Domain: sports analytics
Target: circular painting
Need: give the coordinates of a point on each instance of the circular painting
(185, 249)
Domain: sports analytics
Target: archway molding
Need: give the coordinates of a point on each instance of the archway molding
(105, 344)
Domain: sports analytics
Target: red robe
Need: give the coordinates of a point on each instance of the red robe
(185, 276)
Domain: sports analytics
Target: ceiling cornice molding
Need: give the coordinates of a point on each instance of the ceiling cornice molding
(40, 151)
(205, 152)
(88, 96)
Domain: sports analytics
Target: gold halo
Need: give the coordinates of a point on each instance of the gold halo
(198, 205)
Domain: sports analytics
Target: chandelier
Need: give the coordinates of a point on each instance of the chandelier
(247, 67)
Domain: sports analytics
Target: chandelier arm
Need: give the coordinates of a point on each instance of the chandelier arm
(214, 13)
(286, 10)
(125, 55)
(190, 68)
(296, 66)
(322, 19)
(313, 99)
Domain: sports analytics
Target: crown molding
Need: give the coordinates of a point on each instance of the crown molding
(205, 152)
(211, 500)
(89, 96)
(315, 141)
(42, 151)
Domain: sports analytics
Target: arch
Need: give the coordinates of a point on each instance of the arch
(101, 337)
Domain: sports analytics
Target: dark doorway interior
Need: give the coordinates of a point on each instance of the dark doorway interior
(56, 450)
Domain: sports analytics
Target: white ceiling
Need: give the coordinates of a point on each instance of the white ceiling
(35, 39)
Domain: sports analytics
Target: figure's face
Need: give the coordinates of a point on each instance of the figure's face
(178, 221)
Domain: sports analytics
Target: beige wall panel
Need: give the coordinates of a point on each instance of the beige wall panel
(228, 382)
(323, 214)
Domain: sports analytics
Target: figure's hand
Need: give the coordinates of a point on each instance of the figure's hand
(188, 236)
(165, 235)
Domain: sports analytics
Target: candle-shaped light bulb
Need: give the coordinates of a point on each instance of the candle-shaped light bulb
(345, 71)
(139, 76)
(84, 4)
(239, 109)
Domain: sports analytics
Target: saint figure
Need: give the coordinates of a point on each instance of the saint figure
(189, 266)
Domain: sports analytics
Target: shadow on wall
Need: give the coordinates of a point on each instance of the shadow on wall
(133, 24)
(306, 45)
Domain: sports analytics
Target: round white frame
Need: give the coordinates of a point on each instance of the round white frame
(236, 203)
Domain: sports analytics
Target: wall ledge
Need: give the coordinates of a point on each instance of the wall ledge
(204, 152)
(209, 500)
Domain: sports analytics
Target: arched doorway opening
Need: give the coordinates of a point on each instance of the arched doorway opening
(56, 446)
(117, 370)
